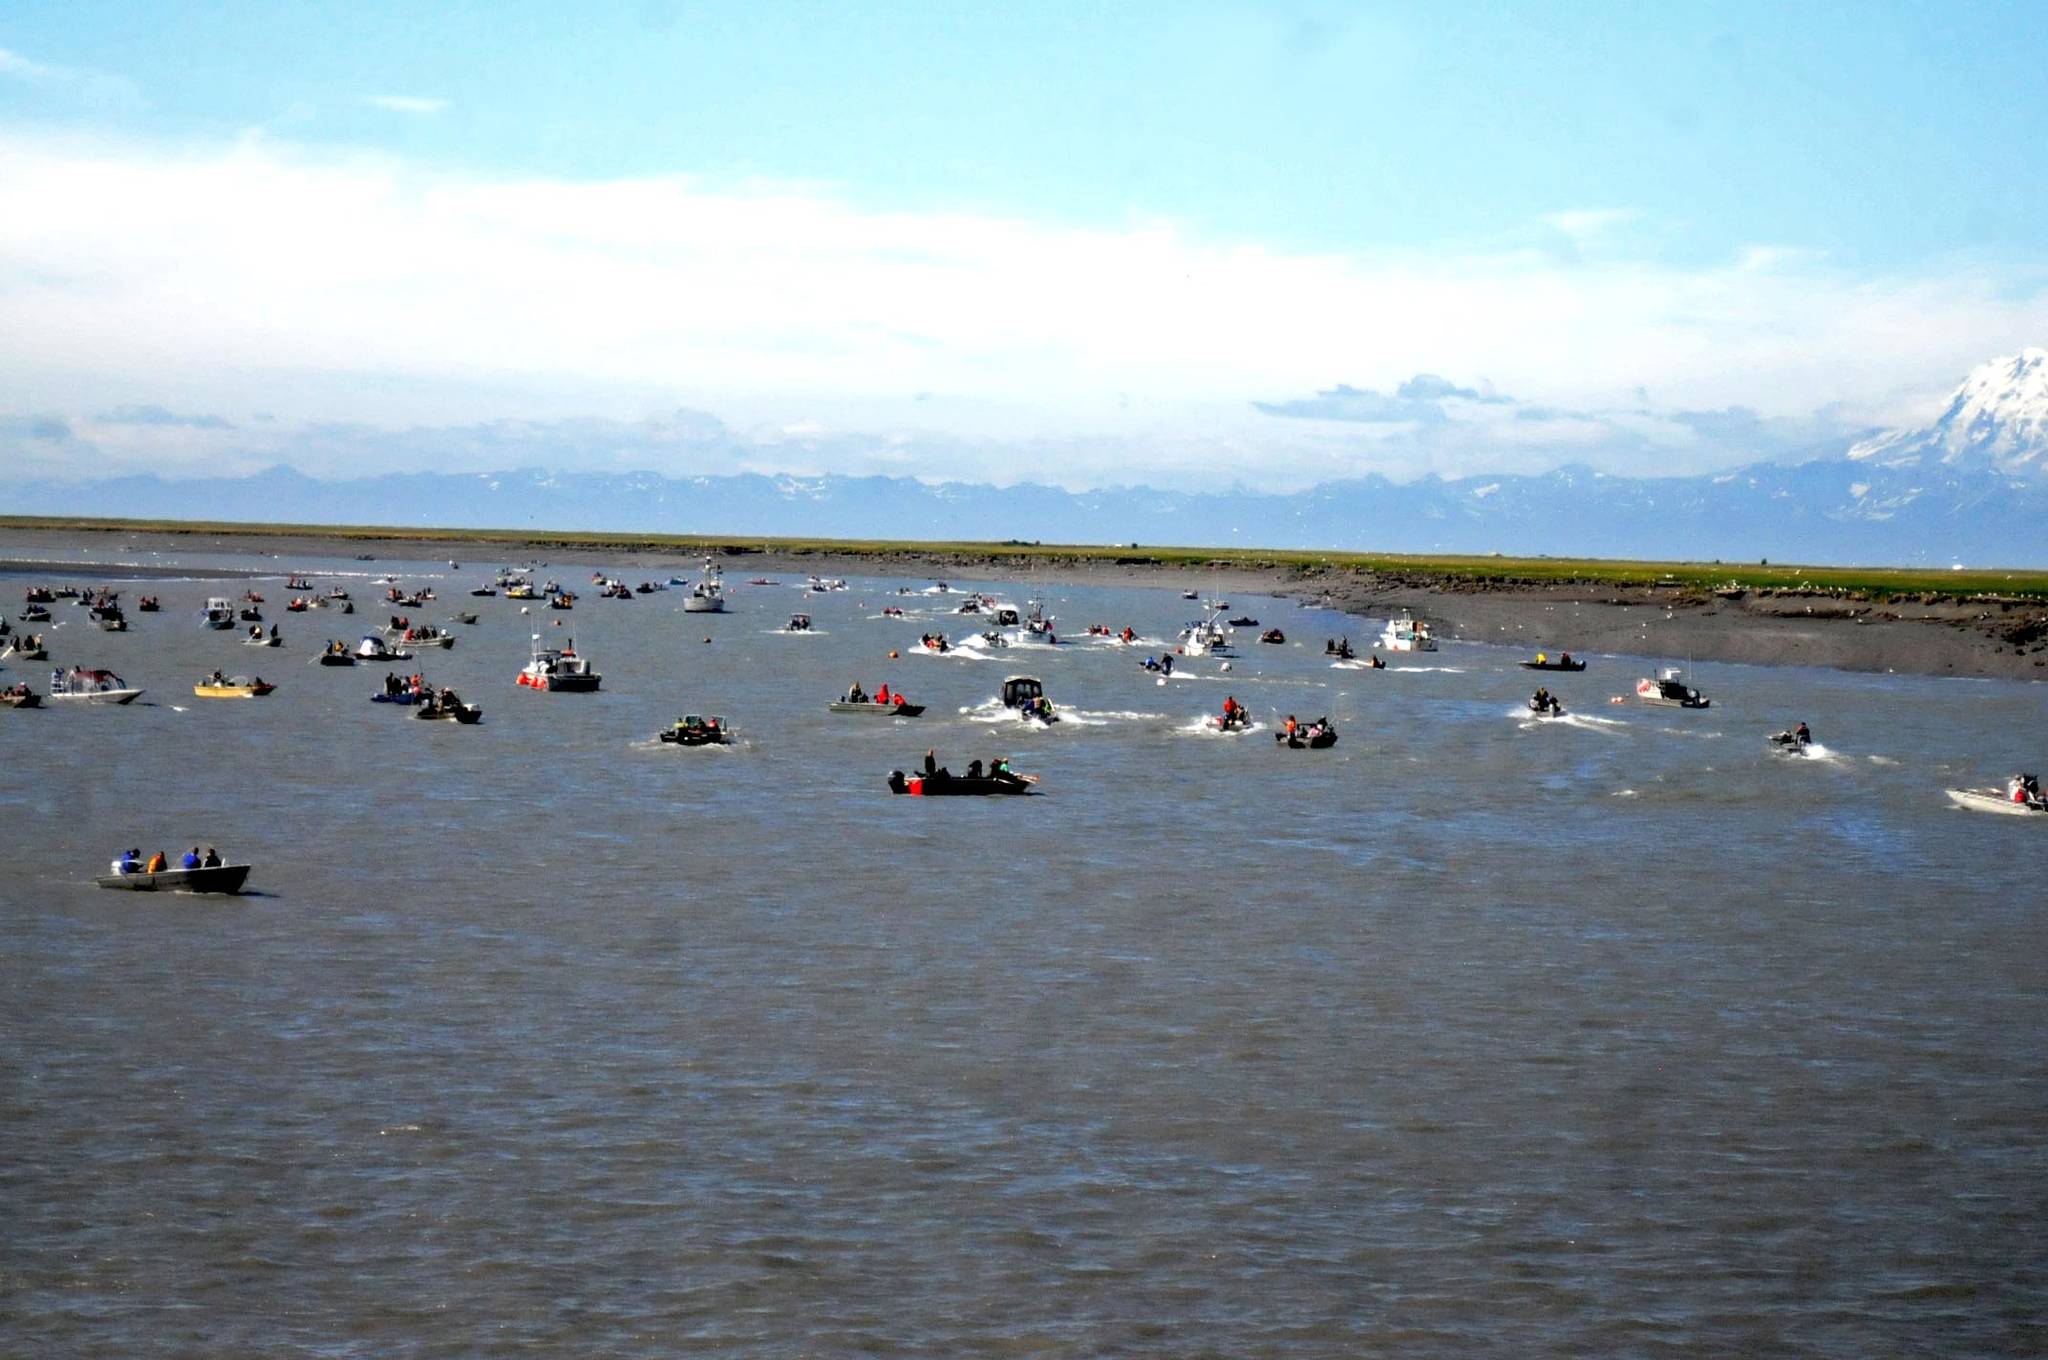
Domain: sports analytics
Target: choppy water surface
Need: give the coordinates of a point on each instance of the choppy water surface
(1471, 1035)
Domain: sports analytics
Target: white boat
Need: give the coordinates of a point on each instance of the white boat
(374, 648)
(81, 686)
(1037, 629)
(1407, 634)
(558, 668)
(708, 595)
(2021, 797)
(219, 612)
(1206, 637)
(1669, 690)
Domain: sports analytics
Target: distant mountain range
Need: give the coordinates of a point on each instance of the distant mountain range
(1970, 487)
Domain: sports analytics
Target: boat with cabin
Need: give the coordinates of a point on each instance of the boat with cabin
(1206, 637)
(559, 669)
(1407, 633)
(1668, 690)
(708, 595)
(220, 613)
(1025, 694)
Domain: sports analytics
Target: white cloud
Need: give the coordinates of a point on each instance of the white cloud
(1588, 224)
(406, 103)
(95, 88)
(323, 285)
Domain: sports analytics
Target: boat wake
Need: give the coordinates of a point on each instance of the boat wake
(1813, 751)
(995, 711)
(656, 744)
(974, 650)
(1206, 727)
(1085, 717)
(1528, 721)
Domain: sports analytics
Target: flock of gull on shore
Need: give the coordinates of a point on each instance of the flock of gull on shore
(983, 620)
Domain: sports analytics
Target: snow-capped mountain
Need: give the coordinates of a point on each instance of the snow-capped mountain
(1972, 486)
(1997, 421)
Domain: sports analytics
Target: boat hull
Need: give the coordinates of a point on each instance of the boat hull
(103, 696)
(678, 737)
(562, 684)
(1985, 800)
(468, 715)
(1553, 666)
(697, 604)
(959, 786)
(876, 710)
(223, 878)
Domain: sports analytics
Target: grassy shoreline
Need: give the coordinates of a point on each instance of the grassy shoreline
(1449, 570)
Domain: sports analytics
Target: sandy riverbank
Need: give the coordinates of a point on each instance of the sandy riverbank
(1919, 635)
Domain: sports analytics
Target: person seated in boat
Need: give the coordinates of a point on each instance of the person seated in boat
(1565, 660)
(1378, 664)
(212, 860)
(217, 678)
(896, 782)
(883, 697)
(1802, 735)
(974, 768)
(128, 862)
(1166, 662)
(1292, 727)
(157, 863)
(855, 694)
(191, 860)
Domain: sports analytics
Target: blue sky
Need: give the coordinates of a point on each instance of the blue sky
(1127, 239)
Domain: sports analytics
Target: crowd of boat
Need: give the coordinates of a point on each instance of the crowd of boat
(562, 669)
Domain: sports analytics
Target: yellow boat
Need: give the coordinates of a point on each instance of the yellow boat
(240, 687)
